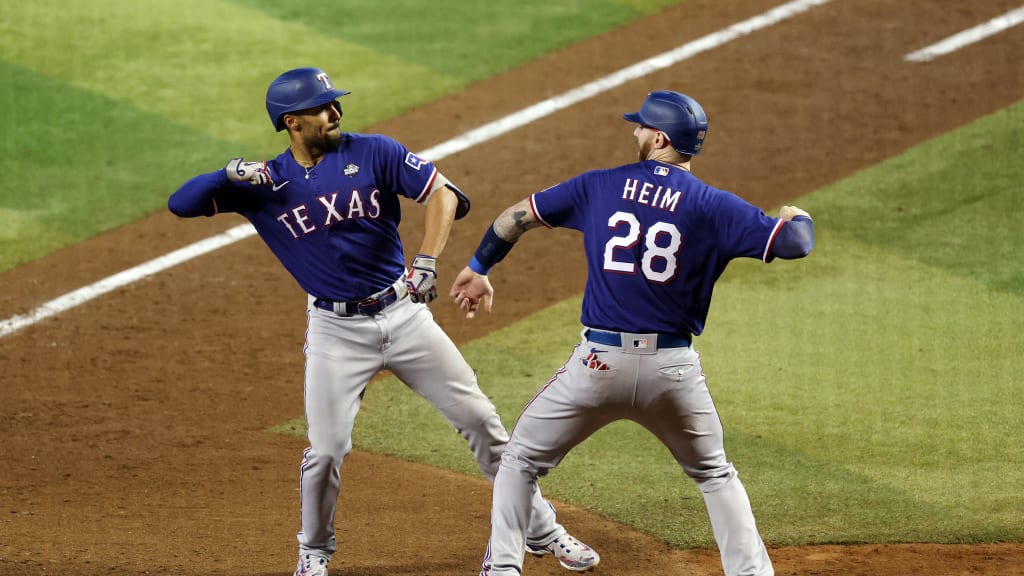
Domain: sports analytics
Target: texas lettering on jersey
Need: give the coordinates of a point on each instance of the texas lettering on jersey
(335, 226)
(299, 222)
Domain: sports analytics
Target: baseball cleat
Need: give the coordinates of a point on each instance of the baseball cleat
(571, 553)
(310, 565)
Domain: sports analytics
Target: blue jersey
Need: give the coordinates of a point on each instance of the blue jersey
(656, 239)
(337, 230)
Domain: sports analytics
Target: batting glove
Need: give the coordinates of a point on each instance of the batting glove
(254, 173)
(422, 279)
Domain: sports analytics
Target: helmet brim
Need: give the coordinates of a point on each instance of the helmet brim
(321, 99)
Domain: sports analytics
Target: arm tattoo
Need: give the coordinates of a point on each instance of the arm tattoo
(515, 221)
(519, 216)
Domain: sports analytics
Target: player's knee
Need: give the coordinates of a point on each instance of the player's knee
(479, 418)
(514, 460)
(486, 438)
(712, 479)
(331, 450)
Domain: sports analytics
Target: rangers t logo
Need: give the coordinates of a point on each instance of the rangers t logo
(323, 78)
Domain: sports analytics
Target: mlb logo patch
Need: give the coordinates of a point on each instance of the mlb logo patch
(640, 344)
(661, 171)
(414, 161)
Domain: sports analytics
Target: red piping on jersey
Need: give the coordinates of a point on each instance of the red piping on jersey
(426, 191)
(767, 256)
(533, 208)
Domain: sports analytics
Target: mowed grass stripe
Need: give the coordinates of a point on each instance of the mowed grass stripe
(204, 64)
(953, 202)
(902, 372)
(67, 177)
(465, 40)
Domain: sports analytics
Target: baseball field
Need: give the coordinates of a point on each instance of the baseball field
(151, 369)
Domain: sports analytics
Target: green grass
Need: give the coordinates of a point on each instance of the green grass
(870, 393)
(957, 211)
(109, 105)
(92, 165)
(465, 40)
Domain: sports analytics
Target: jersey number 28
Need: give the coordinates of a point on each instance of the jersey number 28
(659, 261)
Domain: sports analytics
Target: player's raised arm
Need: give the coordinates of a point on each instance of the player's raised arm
(197, 197)
(472, 289)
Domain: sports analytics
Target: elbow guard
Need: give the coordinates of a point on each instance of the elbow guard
(795, 239)
(463, 208)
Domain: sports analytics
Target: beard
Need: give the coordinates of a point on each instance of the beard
(643, 151)
(332, 138)
(327, 141)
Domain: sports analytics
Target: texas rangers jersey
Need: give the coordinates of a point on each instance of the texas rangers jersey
(656, 239)
(336, 230)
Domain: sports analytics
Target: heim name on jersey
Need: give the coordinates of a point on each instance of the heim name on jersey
(652, 195)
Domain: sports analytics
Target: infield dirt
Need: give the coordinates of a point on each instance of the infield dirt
(133, 428)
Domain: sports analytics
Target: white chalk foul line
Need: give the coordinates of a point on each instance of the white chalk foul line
(121, 279)
(638, 70)
(455, 145)
(967, 37)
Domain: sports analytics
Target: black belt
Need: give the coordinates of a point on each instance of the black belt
(365, 307)
(639, 341)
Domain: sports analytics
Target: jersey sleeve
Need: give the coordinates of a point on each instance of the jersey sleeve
(403, 172)
(212, 193)
(559, 206)
(742, 229)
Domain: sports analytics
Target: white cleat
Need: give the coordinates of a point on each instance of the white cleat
(310, 565)
(571, 553)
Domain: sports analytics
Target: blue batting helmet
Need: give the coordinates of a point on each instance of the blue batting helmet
(678, 116)
(299, 89)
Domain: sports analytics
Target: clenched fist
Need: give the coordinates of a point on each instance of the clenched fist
(252, 172)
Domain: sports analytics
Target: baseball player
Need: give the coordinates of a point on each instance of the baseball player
(656, 239)
(328, 208)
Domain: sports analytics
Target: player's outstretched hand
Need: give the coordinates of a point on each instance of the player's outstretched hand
(422, 279)
(238, 170)
(471, 291)
(790, 212)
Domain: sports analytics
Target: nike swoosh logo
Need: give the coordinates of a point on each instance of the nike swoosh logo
(281, 185)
